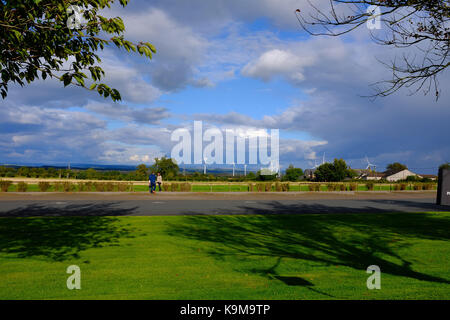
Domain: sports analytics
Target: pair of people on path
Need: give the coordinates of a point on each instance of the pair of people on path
(153, 180)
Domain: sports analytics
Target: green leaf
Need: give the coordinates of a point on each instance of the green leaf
(67, 79)
(79, 79)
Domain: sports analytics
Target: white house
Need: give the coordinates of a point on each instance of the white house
(372, 176)
(402, 175)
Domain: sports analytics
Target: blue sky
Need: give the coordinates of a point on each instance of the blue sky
(231, 65)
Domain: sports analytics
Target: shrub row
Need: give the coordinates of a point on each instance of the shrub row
(66, 186)
(269, 186)
(177, 187)
(333, 187)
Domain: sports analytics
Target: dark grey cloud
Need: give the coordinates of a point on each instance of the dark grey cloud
(211, 16)
(48, 134)
(336, 74)
(125, 113)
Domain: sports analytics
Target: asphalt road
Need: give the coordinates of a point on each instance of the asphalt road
(29, 208)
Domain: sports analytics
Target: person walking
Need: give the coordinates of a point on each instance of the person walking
(159, 181)
(152, 182)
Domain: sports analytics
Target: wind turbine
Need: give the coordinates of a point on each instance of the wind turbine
(370, 165)
(233, 169)
(315, 164)
(204, 166)
(318, 165)
(245, 170)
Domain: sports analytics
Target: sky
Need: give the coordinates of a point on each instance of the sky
(232, 65)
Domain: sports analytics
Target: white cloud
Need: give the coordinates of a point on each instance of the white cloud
(278, 62)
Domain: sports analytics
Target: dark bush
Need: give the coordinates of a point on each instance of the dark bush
(174, 187)
(260, 187)
(185, 187)
(4, 185)
(124, 186)
(278, 187)
(43, 186)
(417, 186)
(370, 186)
(314, 187)
(58, 186)
(99, 186)
(22, 186)
(81, 186)
(428, 186)
(109, 186)
(68, 186)
(89, 185)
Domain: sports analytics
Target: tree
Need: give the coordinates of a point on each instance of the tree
(292, 173)
(333, 172)
(394, 168)
(324, 172)
(420, 24)
(251, 176)
(142, 172)
(166, 166)
(445, 166)
(44, 37)
(91, 174)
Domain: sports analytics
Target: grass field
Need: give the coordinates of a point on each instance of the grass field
(227, 257)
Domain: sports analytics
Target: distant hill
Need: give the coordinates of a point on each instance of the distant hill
(239, 170)
(79, 166)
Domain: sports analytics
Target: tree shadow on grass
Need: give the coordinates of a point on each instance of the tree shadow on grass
(71, 209)
(352, 240)
(61, 238)
(271, 273)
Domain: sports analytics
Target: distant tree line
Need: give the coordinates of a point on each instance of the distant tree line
(336, 171)
(90, 174)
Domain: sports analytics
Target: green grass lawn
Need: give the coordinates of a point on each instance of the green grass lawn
(227, 257)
